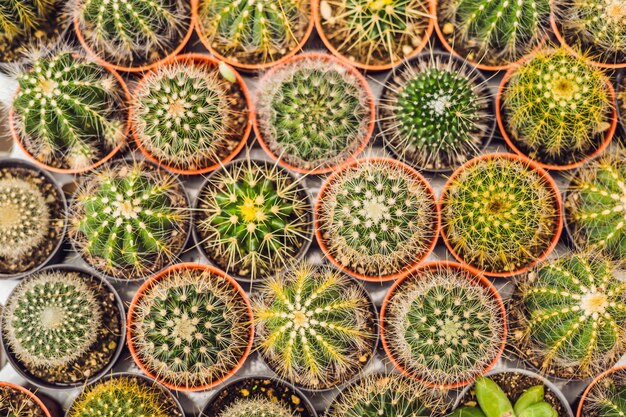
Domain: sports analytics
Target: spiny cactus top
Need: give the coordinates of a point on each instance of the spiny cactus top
(315, 326)
(129, 219)
(377, 218)
(606, 396)
(557, 108)
(313, 112)
(69, 112)
(254, 32)
(253, 218)
(435, 112)
(257, 407)
(132, 33)
(444, 325)
(571, 316)
(375, 32)
(16, 403)
(499, 214)
(190, 327)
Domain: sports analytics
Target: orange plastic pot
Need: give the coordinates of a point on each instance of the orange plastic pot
(29, 394)
(596, 381)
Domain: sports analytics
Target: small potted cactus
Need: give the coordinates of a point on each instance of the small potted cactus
(132, 35)
(500, 214)
(605, 396)
(125, 395)
(332, 321)
(190, 114)
(443, 325)
(63, 327)
(69, 113)
(252, 219)
(129, 219)
(375, 35)
(32, 218)
(190, 327)
(376, 219)
(254, 35)
(556, 109)
(17, 401)
(313, 112)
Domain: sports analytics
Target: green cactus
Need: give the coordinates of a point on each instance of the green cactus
(377, 217)
(15, 403)
(443, 326)
(314, 325)
(132, 33)
(254, 32)
(313, 112)
(375, 32)
(254, 218)
(129, 219)
(69, 111)
(191, 327)
(189, 116)
(557, 108)
(435, 112)
(499, 214)
(257, 407)
(607, 396)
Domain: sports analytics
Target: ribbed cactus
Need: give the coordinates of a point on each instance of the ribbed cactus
(254, 32)
(375, 32)
(188, 115)
(594, 205)
(557, 108)
(129, 219)
(607, 397)
(314, 326)
(571, 316)
(499, 214)
(254, 218)
(257, 407)
(190, 327)
(15, 403)
(313, 112)
(435, 112)
(443, 326)
(377, 217)
(69, 111)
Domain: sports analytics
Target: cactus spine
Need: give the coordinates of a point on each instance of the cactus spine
(15, 403)
(257, 407)
(607, 396)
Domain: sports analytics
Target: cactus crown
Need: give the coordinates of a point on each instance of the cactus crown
(190, 328)
(254, 218)
(129, 219)
(188, 116)
(315, 326)
(377, 217)
(557, 107)
(444, 326)
(257, 407)
(14, 403)
(313, 112)
(499, 214)
(69, 111)
(607, 397)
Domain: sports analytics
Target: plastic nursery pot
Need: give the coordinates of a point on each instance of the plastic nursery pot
(549, 182)
(245, 66)
(475, 278)
(349, 69)
(152, 282)
(375, 67)
(204, 60)
(411, 266)
(27, 394)
(616, 375)
(51, 246)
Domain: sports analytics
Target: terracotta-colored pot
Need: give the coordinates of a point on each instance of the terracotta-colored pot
(29, 394)
(596, 381)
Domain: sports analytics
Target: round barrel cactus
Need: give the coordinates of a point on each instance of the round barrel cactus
(257, 407)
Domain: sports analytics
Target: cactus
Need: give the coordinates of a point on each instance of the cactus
(190, 328)
(254, 218)
(375, 32)
(257, 407)
(594, 205)
(443, 326)
(188, 116)
(314, 325)
(131, 33)
(557, 107)
(435, 112)
(69, 112)
(377, 217)
(313, 112)
(15, 403)
(607, 396)
(254, 32)
(129, 219)
(571, 315)
(499, 214)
